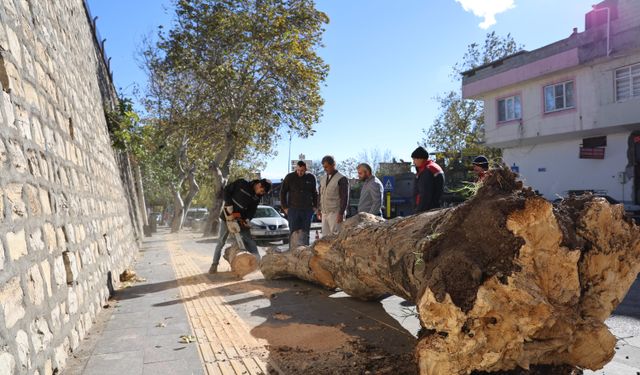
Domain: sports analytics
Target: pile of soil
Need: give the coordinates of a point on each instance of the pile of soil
(354, 357)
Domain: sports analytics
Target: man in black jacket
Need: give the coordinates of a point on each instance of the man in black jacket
(241, 200)
(299, 198)
(429, 183)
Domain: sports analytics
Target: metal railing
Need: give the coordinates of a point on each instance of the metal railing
(99, 40)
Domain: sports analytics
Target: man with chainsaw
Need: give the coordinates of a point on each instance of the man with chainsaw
(241, 200)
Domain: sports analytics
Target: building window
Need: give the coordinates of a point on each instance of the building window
(509, 109)
(593, 148)
(558, 97)
(628, 82)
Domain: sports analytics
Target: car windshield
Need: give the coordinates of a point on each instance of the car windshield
(266, 212)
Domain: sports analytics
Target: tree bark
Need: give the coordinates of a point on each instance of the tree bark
(242, 262)
(220, 169)
(178, 203)
(140, 191)
(504, 280)
(194, 188)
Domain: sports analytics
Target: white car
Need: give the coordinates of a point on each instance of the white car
(269, 226)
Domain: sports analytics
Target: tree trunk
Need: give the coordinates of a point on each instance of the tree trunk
(178, 203)
(501, 281)
(140, 191)
(219, 181)
(242, 262)
(194, 188)
(178, 210)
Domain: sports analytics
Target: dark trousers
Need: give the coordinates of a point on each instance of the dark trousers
(300, 219)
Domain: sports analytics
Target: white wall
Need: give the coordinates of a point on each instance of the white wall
(596, 108)
(566, 171)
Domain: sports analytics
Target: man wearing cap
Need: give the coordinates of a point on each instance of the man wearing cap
(241, 200)
(299, 198)
(480, 167)
(334, 197)
(429, 183)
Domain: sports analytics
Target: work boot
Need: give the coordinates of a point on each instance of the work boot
(213, 269)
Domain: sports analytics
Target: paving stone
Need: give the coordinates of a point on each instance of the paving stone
(129, 363)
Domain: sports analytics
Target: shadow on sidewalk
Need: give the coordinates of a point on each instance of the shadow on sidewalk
(307, 330)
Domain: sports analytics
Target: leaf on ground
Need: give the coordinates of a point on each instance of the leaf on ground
(187, 339)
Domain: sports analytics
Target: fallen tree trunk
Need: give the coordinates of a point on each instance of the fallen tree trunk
(501, 281)
(242, 262)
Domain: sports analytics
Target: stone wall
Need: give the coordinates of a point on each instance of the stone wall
(65, 221)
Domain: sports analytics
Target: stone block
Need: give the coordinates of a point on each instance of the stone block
(22, 120)
(8, 109)
(11, 295)
(16, 156)
(16, 204)
(70, 233)
(45, 202)
(60, 354)
(7, 364)
(48, 367)
(72, 302)
(46, 276)
(49, 237)
(55, 317)
(36, 131)
(41, 335)
(74, 339)
(22, 342)
(14, 45)
(71, 266)
(36, 243)
(62, 240)
(33, 163)
(3, 154)
(35, 285)
(59, 271)
(17, 244)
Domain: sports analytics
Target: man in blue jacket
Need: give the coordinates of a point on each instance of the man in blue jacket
(241, 200)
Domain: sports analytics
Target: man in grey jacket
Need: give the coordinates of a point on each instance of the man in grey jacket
(372, 191)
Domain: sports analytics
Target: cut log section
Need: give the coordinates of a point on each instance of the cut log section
(242, 262)
(504, 280)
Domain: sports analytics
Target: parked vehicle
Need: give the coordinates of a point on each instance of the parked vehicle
(269, 226)
(193, 214)
(198, 223)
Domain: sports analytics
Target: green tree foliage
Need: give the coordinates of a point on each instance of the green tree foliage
(245, 69)
(457, 134)
(125, 130)
(233, 75)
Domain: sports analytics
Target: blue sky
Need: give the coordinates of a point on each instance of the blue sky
(388, 59)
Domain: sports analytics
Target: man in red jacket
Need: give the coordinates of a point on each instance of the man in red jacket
(429, 183)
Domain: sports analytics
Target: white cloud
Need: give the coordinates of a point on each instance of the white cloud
(487, 9)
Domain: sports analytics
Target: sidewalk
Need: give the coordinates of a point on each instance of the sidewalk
(253, 326)
(139, 334)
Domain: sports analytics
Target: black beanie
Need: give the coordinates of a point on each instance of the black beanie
(266, 184)
(420, 153)
(482, 162)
